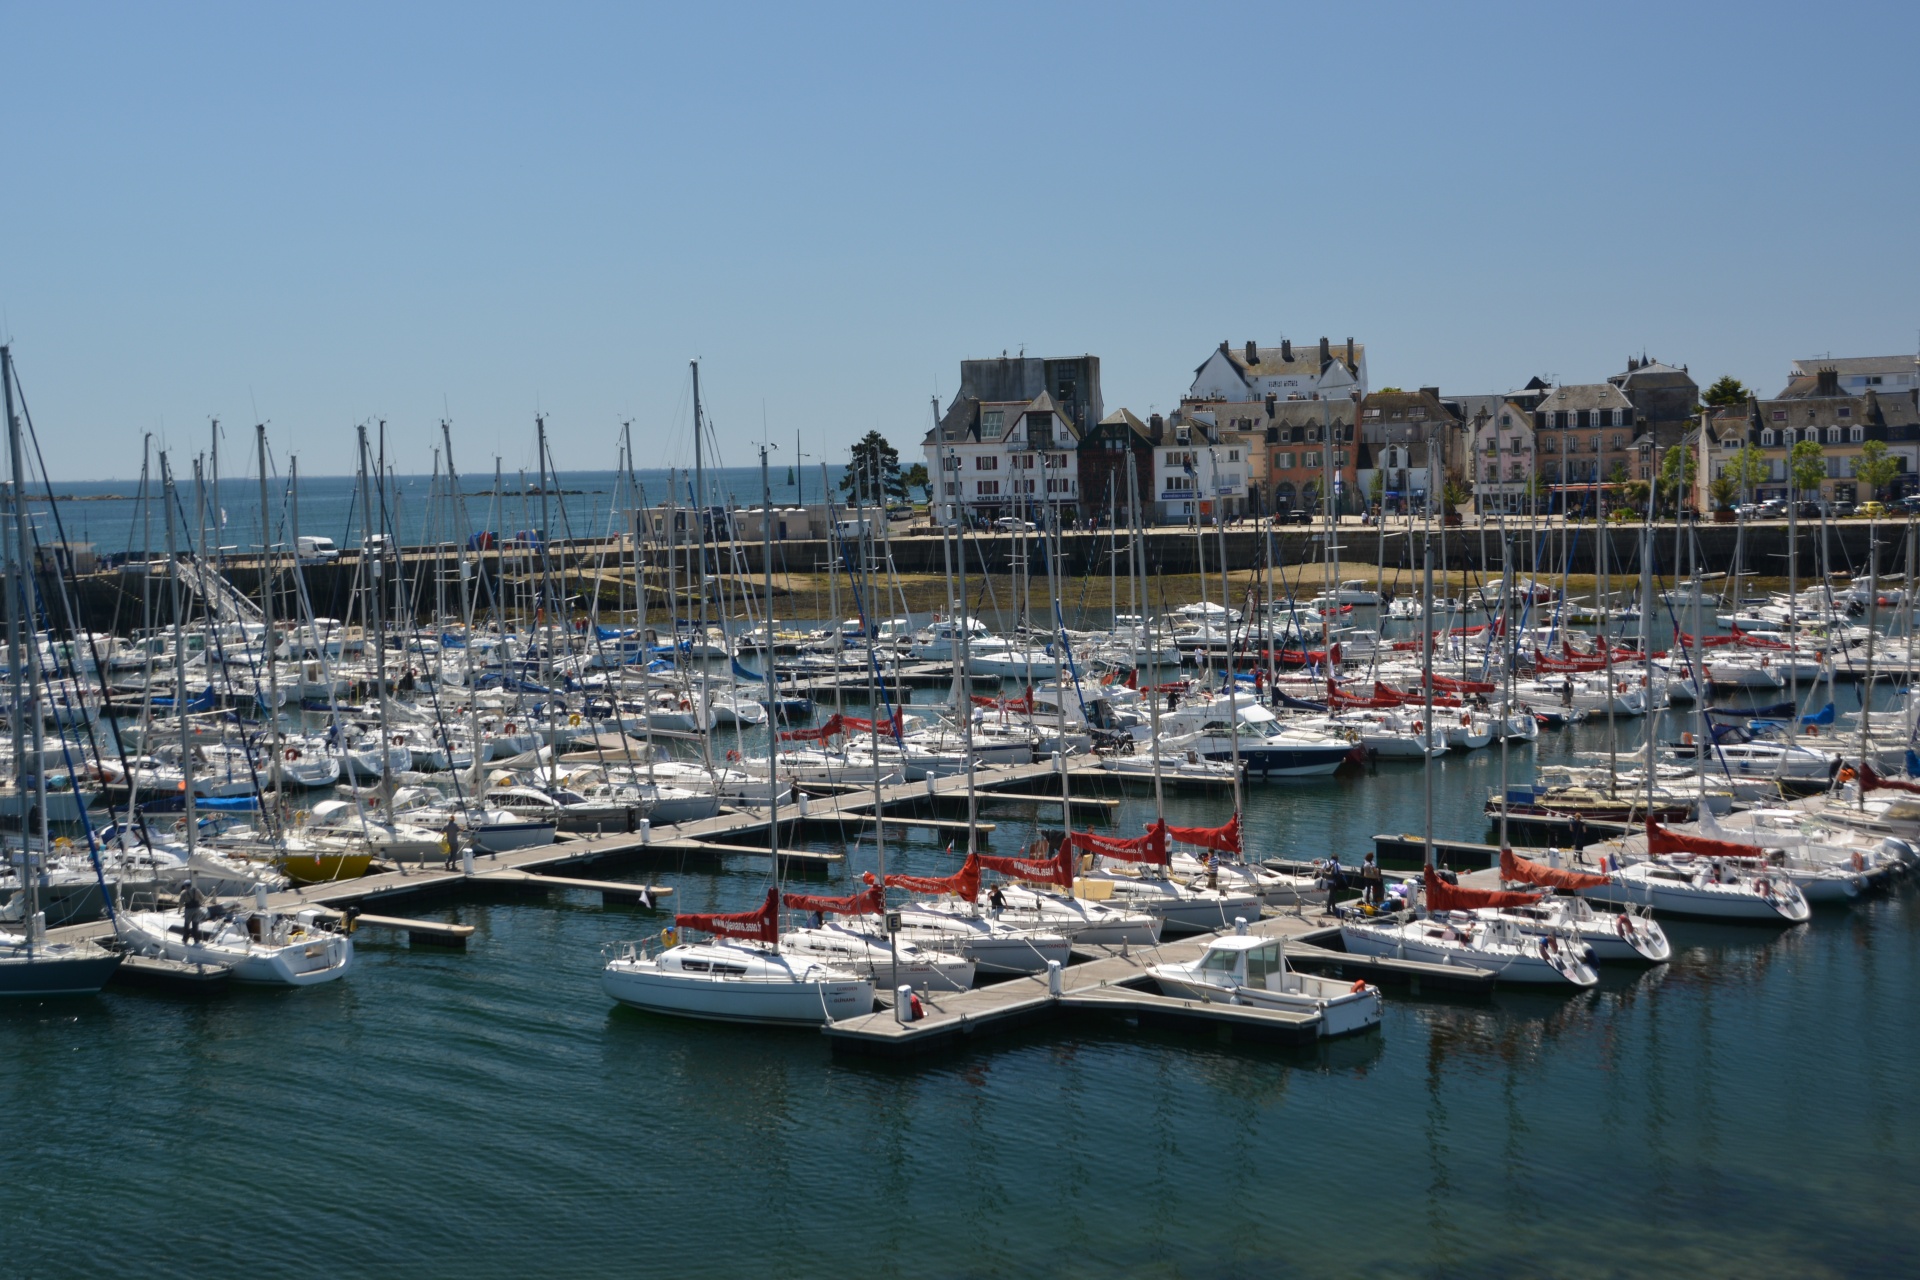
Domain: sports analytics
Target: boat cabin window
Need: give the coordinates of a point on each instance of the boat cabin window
(1261, 961)
(1221, 960)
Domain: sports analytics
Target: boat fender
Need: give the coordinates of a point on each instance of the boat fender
(1762, 888)
(1622, 925)
(733, 756)
(1465, 719)
(915, 1007)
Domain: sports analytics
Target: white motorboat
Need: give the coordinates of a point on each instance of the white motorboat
(1242, 969)
(725, 981)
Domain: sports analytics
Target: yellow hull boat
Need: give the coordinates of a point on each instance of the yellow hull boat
(319, 868)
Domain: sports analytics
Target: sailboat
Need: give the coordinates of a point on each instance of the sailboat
(741, 975)
(30, 965)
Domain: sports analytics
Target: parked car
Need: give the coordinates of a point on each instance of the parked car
(1013, 524)
(900, 511)
(1773, 509)
(1839, 510)
(1871, 510)
(378, 544)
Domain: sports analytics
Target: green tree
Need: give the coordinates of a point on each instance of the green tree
(1807, 467)
(1389, 391)
(1725, 490)
(1748, 469)
(1455, 491)
(1377, 488)
(1679, 467)
(874, 474)
(915, 477)
(1875, 469)
(1727, 393)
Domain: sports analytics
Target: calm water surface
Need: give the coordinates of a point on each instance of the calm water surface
(490, 1113)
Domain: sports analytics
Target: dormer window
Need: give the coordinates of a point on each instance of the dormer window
(1767, 438)
(992, 423)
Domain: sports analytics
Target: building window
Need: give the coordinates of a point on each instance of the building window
(1059, 486)
(1056, 460)
(1833, 435)
(949, 462)
(987, 488)
(1766, 437)
(1779, 415)
(1856, 434)
(986, 462)
(990, 424)
(1022, 462)
(1312, 459)
(1284, 461)
(1023, 486)
(1846, 411)
(1233, 455)
(950, 488)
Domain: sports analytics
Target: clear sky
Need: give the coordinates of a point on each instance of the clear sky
(319, 215)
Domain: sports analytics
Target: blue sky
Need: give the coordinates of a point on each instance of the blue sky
(321, 215)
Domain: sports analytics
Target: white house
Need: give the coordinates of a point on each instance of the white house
(1004, 458)
(1285, 372)
(1200, 470)
(1885, 375)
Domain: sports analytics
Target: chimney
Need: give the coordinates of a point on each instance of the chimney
(1872, 409)
(1253, 352)
(1350, 364)
(1828, 383)
(1156, 428)
(1326, 353)
(1272, 398)
(1430, 391)
(1223, 346)
(1286, 350)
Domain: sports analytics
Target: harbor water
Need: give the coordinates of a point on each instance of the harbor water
(490, 1113)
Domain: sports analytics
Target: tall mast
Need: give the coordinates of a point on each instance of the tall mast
(773, 731)
(703, 712)
(1226, 619)
(374, 562)
(266, 609)
(25, 656)
(168, 497)
(1152, 642)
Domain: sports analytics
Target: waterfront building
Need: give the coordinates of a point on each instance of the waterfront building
(1503, 456)
(1118, 440)
(1249, 373)
(1415, 439)
(1007, 441)
(1817, 408)
(1885, 375)
(1296, 442)
(1665, 399)
(1584, 438)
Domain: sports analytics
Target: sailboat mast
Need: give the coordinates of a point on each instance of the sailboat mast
(268, 639)
(773, 719)
(373, 563)
(25, 657)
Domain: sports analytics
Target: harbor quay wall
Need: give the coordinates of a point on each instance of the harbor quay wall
(116, 599)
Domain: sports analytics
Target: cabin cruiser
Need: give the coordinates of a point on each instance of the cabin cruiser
(1248, 970)
(1267, 747)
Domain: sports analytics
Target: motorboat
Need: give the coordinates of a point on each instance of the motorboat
(1248, 970)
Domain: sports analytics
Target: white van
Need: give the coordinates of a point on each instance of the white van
(316, 550)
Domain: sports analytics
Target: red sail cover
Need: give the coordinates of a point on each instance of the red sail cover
(964, 883)
(1451, 685)
(1666, 840)
(1057, 870)
(1442, 896)
(1226, 839)
(762, 925)
(1530, 872)
(871, 900)
(855, 724)
(825, 731)
(1872, 781)
(1151, 847)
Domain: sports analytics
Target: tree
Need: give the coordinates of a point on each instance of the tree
(1875, 469)
(1454, 491)
(916, 478)
(1678, 468)
(1807, 467)
(1377, 488)
(874, 474)
(1725, 490)
(1729, 392)
(1748, 470)
(1389, 391)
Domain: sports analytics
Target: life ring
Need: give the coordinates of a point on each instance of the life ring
(1465, 720)
(573, 721)
(1359, 985)
(685, 705)
(1762, 888)
(512, 728)
(292, 753)
(669, 936)
(399, 739)
(1418, 727)
(732, 755)
(1859, 861)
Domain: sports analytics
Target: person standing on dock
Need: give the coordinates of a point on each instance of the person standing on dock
(450, 841)
(1372, 883)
